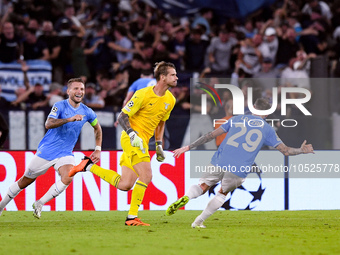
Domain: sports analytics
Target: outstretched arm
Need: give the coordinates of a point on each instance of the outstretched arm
(202, 140)
(54, 123)
(289, 151)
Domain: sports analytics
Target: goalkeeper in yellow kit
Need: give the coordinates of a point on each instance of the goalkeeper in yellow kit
(141, 118)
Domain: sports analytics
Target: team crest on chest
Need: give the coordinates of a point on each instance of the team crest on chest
(166, 106)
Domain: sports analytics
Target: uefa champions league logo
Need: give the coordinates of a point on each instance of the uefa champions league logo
(245, 197)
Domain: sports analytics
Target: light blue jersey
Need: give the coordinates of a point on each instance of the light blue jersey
(142, 83)
(246, 136)
(59, 142)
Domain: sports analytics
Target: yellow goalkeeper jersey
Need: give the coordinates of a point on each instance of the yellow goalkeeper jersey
(145, 110)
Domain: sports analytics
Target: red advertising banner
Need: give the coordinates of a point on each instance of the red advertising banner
(89, 192)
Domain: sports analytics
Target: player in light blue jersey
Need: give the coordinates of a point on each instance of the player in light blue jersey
(64, 124)
(232, 162)
(146, 80)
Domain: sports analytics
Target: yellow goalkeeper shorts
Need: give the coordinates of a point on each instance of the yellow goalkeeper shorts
(132, 155)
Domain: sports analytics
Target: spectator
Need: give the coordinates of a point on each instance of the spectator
(9, 44)
(61, 64)
(291, 76)
(34, 49)
(134, 68)
(250, 56)
(69, 20)
(51, 40)
(103, 80)
(167, 31)
(56, 93)
(248, 29)
(122, 45)
(4, 6)
(106, 17)
(335, 21)
(19, 29)
(78, 57)
(91, 99)
(314, 37)
(34, 25)
(86, 16)
(195, 51)
(147, 52)
(271, 42)
(314, 6)
(303, 61)
(34, 98)
(98, 53)
(239, 74)
(150, 34)
(267, 78)
(258, 43)
(117, 90)
(204, 19)
(162, 53)
(288, 46)
(138, 25)
(293, 21)
(219, 53)
(177, 46)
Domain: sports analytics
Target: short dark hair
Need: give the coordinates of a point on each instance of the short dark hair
(122, 30)
(70, 81)
(148, 71)
(31, 30)
(99, 27)
(205, 10)
(197, 31)
(262, 104)
(162, 68)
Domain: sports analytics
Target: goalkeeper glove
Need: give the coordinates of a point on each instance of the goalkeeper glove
(159, 152)
(135, 140)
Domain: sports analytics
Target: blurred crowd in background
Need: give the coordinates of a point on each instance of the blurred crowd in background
(112, 43)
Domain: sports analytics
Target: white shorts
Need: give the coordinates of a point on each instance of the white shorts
(229, 181)
(39, 166)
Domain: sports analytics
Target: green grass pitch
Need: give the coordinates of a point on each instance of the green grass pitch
(227, 232)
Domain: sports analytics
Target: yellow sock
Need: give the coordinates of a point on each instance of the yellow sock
(137, 197)
(107, 175)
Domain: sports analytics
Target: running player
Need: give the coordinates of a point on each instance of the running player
(141, 118)
(64, 124)
(246, 135)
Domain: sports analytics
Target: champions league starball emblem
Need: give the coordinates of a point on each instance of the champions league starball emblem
(245, 197)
